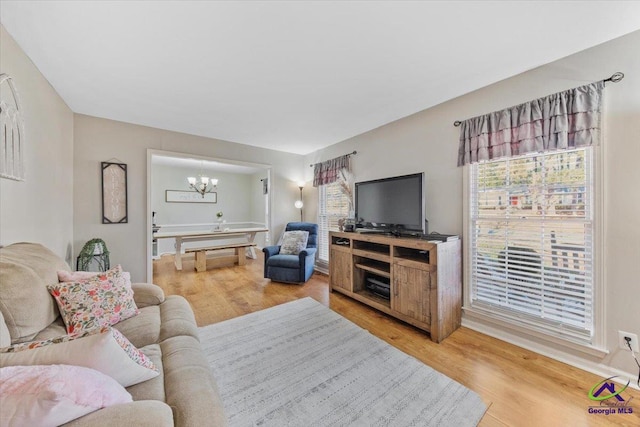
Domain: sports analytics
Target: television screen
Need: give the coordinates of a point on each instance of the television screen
(392, 203)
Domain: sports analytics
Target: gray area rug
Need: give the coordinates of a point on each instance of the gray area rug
(301, 364)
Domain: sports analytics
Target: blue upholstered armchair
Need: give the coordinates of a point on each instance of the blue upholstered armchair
(292, 268)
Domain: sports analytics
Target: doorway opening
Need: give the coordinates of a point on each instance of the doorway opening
(240, 199)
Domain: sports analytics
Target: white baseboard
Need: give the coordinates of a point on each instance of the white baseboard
(599, 369)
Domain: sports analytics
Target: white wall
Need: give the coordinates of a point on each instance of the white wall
(233, 197)
(40, 208)
(428, 141)
(97, 140)
(258, 206)
(239, 198)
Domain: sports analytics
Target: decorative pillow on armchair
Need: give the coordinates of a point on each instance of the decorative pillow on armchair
(102, 300)
(105, 350)
(294, 242)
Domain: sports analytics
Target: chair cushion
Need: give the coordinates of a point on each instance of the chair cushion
(284, 261)
(306, 226)
(293, 242)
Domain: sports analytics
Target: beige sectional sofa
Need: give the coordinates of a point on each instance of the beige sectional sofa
(184, 394)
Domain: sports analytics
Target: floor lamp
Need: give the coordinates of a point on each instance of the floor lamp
(298, 204)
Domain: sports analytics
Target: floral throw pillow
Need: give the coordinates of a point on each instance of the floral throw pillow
(294, 242)
(102, 300)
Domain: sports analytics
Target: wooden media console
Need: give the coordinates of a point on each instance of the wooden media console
(425, 278)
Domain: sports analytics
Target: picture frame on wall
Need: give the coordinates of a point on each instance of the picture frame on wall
(114, 193)
(12, 132)
(180, 196)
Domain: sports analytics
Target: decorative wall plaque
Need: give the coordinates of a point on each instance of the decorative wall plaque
(178, 196)
(11, 131)
(114, 193)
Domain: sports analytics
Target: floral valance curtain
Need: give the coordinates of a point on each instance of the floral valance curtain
(328, 171)
(560, 121)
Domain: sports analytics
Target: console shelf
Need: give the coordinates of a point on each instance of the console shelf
(372, 255)
(372, 299)
(425, 277)
(378, 268)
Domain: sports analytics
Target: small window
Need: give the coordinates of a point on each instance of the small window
(333, 205)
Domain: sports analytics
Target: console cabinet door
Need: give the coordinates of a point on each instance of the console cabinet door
(340, 269)
(411, 290)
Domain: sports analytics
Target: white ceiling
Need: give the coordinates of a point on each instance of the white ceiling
(293, 76)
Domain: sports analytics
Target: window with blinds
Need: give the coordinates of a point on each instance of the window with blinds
(532, 242)
(333, 205)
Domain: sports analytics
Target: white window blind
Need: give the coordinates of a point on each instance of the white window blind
(333, 204)
(532, 242)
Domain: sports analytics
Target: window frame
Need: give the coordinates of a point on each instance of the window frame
(323, 240)
(497, 324)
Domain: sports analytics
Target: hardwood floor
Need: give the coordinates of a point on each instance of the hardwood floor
(521, 388)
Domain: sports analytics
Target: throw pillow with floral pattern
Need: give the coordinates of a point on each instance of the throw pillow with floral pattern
(102, 300)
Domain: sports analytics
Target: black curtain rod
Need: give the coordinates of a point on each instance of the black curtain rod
(350, 154)
(615, 78)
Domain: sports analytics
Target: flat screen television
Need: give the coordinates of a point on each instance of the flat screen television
(393, 204)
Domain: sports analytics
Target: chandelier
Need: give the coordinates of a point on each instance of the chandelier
(204, 186)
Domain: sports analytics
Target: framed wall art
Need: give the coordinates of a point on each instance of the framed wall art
(11, 131)
(114, 193)
(179, 196)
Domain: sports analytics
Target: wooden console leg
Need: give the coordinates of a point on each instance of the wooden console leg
(201, 261)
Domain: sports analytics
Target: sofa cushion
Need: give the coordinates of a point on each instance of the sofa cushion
(143, 413)
(143, 329)
(146, 294)
(54, 394)
(152, 389)
(5, 338)
(25, 302)
(156, 323)
(102, 300)
(176, 318)
(54, 330)
(25, 271)
(189, 385)
(37, 257)
(105, 350)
